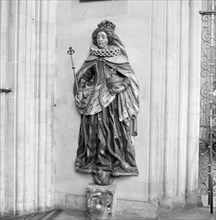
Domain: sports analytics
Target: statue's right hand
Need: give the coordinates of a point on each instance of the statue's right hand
(79, 96)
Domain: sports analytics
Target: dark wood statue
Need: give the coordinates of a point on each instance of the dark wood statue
(106, 94)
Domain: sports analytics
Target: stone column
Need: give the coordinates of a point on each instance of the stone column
(192, 193)
(172, 103)
(27, 66)
(4, 29)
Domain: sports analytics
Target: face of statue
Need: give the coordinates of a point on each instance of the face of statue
(102, 39)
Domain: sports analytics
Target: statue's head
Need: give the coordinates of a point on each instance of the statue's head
(104, 34)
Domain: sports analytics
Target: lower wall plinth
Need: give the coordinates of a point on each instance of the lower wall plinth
(123, 207)
(193, 199)
(146, 209)
(136, 209)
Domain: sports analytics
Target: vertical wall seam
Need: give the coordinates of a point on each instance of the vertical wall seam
(165, 105)
(38, 104)
(179, 59)
(46, 104)
(16, 48)
(20, 108)
(32, 96)
(163, 72)
(42, 107)
(24, 109)
(52, 99)
(37, 95)
(186, 179)
(179, 97)
(1, 120)
(188, 118)
(150, 80)
(49, 108)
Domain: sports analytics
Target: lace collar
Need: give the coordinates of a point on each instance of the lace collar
(109, 51)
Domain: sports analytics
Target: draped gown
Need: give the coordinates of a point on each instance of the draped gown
(108, 121)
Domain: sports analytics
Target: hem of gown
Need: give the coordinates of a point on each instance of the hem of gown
(84, 170)
(124, 174)
(115, 174)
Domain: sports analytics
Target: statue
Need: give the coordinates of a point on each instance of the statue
(106, 96)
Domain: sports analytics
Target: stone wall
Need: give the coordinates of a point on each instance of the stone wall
(162, 39)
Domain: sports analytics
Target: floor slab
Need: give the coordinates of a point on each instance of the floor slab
(199, 213)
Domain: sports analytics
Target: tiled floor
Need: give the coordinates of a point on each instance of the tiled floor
(69, 214)
(191, 214)
(199, 213)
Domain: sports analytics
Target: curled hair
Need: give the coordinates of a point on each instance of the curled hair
(109, 33)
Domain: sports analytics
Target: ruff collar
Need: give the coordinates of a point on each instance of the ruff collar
(109, 51)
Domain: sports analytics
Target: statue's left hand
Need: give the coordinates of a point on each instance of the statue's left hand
(116, 84)
(116, 88)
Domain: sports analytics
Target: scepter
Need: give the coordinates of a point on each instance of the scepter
(70, 52)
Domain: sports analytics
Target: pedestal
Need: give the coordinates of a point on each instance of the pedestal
(101, 201)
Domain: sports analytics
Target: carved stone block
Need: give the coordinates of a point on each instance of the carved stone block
(101, 201)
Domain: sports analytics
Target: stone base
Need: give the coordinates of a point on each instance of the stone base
(131, 208)
(124, 207)
(101, 201)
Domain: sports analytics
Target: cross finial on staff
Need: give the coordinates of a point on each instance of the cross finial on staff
(70, 52)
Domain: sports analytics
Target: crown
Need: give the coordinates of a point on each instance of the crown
(106, 25)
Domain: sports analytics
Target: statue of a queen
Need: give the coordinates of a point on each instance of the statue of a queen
(106, 96)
